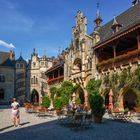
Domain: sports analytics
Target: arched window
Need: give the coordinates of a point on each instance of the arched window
(1, 93)
(21, 65)
(34, 80)
(34, 64)
(77, 44)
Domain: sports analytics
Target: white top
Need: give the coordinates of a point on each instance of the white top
(15, 105)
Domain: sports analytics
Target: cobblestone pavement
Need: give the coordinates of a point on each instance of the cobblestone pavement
(37, 128)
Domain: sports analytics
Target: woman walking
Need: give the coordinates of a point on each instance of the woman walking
(15, 112)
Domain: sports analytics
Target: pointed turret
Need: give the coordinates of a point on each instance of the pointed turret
(115, 26)
(98, 19)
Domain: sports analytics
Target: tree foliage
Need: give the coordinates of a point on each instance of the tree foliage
(45, 101)
(53, 91)
(93, 87)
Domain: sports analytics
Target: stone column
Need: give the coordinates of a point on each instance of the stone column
(86, 98)
(96, 57)
(83, 59)
(73, 98)
(114, 51)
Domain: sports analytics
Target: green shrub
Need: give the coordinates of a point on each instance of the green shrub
(93, 87)
(78, 101)
(138, 104)
(65, 100)
(58, 103)
(45, 101)
(97, 105)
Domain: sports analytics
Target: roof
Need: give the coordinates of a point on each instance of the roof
(8, 63)
(20, 59)
(127, 19)
(57, 65)
(4, 56)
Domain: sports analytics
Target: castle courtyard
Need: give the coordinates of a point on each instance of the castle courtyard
(38, 128)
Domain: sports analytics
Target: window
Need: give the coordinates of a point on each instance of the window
(1, 93)
(17, 65)
(34, 80)
(2, 78)
(21, 65)
(34, 64)
(20, 75)
(42, 63)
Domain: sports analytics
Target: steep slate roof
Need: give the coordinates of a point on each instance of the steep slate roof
(8, 63)
(127, 19)
(4, 56)
(20, 59)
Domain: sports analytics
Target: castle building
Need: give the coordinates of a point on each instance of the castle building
(112, 49)
(37, 82)
(78, 64)
(12, 77)
(55, 75)
(117, 54)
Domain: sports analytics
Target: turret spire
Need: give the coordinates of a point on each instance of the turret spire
(98, 19)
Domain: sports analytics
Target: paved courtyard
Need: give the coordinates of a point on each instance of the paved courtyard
(37, 128)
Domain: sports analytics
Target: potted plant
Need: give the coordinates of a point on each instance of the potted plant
(45, 101)
(58, 104)
(98, 109)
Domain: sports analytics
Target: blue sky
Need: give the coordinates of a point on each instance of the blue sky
(47, 24)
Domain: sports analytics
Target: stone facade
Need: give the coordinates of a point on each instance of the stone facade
(7, 77)
(37, 82)
(21, 79)
(100, 54)
(79, 62)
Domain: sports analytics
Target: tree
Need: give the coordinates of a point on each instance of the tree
(53, 91)
(93, 88)
(45, 101)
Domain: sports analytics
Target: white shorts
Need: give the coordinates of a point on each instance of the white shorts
(15, 113)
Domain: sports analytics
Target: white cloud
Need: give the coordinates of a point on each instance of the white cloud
(4, 44)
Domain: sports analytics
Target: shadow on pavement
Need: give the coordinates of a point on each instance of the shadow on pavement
(2, 129)
(51, 130)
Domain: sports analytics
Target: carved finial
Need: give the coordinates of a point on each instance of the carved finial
(115, 25)
(114, 21)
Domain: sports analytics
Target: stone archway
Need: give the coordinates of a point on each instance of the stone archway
(106, 97)
(127, 99)
(80, 94)
(34, 96)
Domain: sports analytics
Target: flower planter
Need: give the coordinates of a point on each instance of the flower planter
(58, 112)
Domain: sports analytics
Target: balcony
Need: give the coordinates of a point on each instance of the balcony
(57, 79)
(125, 59)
